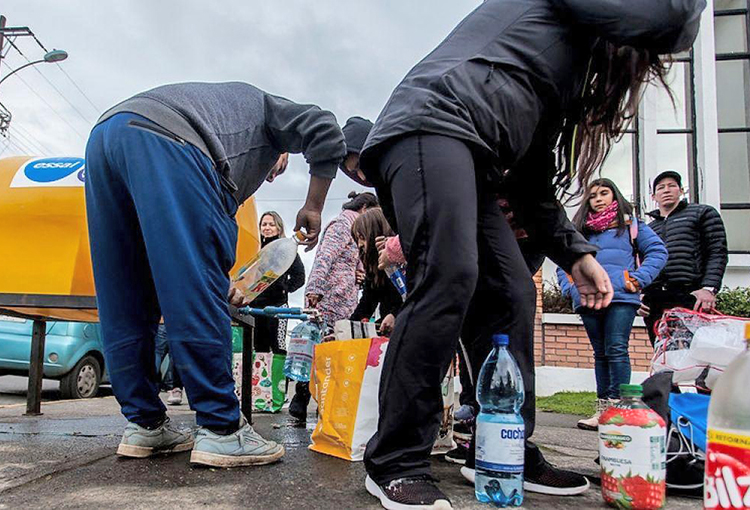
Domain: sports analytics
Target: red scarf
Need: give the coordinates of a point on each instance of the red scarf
(604, 219)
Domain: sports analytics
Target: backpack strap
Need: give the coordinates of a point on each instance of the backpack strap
(633, 231)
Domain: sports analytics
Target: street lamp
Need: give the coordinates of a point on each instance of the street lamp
(49, 57)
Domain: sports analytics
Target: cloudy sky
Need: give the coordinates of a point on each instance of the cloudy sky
(345, 56)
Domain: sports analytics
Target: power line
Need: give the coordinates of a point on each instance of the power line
(28, 150)
(85, 119)
(71, 126)
(7, 144)
(32, 137)
(96, 108)
(30, 143)
(16, 146)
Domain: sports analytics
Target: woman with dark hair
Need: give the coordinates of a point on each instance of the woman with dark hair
(633, 255)
(270, 332)
(522, 99)
(332, 284)
(377, 289)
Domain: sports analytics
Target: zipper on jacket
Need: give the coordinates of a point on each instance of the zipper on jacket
(157, 130)
(490, 73)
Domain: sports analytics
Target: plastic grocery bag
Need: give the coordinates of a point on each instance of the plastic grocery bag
(268, 383)
(344, 383)
(444, 442)
(696, 345)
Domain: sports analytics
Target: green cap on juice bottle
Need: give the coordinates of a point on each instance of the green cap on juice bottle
(631, 390)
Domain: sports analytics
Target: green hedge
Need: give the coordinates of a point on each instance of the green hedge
(553, 301)
(734, 301)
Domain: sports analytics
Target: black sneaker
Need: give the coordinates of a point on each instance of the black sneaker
(300, 401)
(418, 492)
(462, 430)
(547, 479)
(458, 454)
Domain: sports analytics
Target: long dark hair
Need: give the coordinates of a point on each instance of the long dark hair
(369, 225)
(614, 84)
(624, 208)
(360, 200)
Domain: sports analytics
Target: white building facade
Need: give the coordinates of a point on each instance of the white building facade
(705, 135)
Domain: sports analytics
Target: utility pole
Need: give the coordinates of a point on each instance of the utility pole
(2, 37)
(5, 115)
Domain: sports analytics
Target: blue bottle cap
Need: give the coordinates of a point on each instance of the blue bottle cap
(500, 339)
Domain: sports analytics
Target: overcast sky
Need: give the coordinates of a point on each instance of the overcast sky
(345, 56)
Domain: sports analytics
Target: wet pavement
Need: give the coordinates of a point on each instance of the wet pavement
(66, 459)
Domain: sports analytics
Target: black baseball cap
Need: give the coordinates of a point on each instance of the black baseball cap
(667, 174)
(355, 131)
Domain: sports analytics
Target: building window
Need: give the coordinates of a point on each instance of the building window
(622, 164)
(675, 123)
(731, 23)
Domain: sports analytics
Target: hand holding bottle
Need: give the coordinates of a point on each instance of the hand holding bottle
(308, 218)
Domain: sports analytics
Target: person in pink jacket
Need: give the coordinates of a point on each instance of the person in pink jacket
(332, 284)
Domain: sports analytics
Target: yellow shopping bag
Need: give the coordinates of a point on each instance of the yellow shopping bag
(345, 381)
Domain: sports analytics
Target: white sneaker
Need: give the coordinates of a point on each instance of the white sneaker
(139, 443)
(469, 474)
(175, 397)
(593, 423)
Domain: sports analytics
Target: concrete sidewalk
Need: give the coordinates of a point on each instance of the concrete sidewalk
(66, 459)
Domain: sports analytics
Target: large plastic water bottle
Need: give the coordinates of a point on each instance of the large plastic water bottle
(267, 266)
(500, 429)
(305, 336)
(397, 277)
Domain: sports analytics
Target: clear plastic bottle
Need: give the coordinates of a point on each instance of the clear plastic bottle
(727, 482)
(305, 336)
(265, 268)
(396, 274)
(632, 452)
(500, 429)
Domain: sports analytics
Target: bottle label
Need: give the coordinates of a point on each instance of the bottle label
(500, 446)
(727, 483)
(633, 462)
(300, 348)
(397, 277)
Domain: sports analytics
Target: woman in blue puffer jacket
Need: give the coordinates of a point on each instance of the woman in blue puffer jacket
(633, 255)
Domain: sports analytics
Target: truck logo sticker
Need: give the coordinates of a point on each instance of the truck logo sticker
(50, 172)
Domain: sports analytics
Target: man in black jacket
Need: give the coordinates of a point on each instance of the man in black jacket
(697, 246)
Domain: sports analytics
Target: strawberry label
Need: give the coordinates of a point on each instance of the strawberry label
(727, 482)
(633, 456)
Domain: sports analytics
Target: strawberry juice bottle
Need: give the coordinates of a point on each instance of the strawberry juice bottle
(632, 453)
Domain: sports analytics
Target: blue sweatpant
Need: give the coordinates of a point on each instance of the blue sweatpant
(163, 239)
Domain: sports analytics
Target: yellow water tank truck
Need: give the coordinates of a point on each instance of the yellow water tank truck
(45, 262)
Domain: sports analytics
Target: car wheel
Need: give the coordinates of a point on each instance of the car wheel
(83, 381)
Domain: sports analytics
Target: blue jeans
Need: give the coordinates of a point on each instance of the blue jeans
(171, 379)
(163, 239)
(609, 334)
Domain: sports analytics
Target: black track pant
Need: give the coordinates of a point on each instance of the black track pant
(466, 277)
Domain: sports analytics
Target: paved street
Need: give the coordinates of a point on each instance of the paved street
(65, 459)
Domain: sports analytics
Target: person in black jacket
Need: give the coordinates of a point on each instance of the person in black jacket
(268, 337)
(484, 114)
(378, 290)
(697, 245)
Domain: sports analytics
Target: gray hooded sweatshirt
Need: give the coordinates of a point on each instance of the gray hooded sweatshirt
(241, 128)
